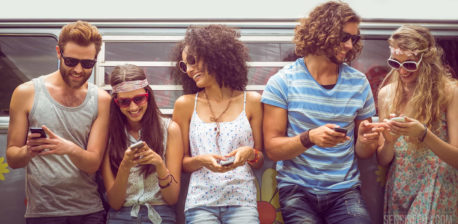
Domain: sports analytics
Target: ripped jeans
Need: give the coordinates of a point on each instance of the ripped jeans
(299, 206)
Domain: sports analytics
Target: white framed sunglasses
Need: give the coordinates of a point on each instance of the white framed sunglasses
(410, 66)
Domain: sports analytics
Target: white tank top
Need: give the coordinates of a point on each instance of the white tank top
(233, 188)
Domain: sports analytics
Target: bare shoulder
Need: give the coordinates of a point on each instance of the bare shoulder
(103, 96)
(185, 102)
(24, 89)
(253, 96)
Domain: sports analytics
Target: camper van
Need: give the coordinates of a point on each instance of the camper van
(27, 50)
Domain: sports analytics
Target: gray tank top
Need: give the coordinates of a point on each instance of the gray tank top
(54, 185)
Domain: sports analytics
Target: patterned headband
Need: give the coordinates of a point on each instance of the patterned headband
(127, 86)
(408, 53)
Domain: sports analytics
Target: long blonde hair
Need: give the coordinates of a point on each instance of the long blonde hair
(431, 95)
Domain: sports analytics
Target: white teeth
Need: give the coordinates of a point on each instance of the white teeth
(195, 76)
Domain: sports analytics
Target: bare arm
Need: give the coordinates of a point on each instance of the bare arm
(385, 153)
(174, 158)
(17, 154)
(255, 116)
(446, 151)
(368, 138)
(277, 145)
(116, 185)
(246, 153)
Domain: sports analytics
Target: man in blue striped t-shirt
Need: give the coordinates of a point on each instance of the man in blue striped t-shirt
(304, 103)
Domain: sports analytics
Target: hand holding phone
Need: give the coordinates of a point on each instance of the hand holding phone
(38, 130)
(136, 146)
(398, 119)
(341, 130)
(227, 162)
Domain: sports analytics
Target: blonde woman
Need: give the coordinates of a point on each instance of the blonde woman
(421, 145)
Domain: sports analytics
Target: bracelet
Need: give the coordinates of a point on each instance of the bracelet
(168, 184)
(256, 157)
(424, 134)
(166, 177)
(305, 139)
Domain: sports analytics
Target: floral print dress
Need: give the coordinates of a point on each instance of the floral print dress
(420, 188)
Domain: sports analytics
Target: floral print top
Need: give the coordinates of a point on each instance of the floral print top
(420, 188)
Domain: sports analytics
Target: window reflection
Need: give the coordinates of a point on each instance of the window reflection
(23, 58)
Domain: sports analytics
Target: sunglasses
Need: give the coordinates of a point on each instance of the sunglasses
(138, 99)
(72, 62)
(191, 60)
(410, 66)
(346, 36)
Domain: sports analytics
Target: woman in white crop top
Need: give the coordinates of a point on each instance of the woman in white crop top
(220, 122)
(141, 183)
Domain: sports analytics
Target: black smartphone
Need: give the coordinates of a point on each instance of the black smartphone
(227, 162)
(136, 146)
(38, 130)
(341, 130)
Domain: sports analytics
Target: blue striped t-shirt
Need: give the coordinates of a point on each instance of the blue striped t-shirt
(309, 105)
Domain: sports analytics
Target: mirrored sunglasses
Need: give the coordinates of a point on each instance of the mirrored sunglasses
(191, 60)
(138, 99)
(72, 62)
(346, 36)
(410, 66)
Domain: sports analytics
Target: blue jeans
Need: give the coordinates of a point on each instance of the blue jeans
(93, 218)
(122, 216)
(222, 214)
(299, 206)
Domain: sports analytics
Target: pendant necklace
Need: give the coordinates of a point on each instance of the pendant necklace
(214, 118)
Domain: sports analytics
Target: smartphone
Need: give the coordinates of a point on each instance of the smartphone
(341, 130)
(398, 119)
(136, 146)
(227, 162)
(38, 130)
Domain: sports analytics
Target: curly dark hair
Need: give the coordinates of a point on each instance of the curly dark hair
(320, 32)
(223, 54)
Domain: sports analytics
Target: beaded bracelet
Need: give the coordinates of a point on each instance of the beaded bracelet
(424, 134)
(256, 157)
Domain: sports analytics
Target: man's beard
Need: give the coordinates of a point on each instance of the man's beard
(66, 77)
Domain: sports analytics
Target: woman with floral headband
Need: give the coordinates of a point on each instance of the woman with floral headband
(421, 143)
(141, 182)
(220, 122)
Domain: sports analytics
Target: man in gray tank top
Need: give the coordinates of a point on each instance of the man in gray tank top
(60, 167)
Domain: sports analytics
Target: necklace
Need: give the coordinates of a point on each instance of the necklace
(214, 118)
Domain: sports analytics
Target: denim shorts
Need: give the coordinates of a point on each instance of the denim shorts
(299, 206)
(222, 214)
(122, 216)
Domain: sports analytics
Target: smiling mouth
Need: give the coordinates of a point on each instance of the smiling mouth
(196, 76)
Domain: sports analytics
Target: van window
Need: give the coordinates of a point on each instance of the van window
(23, 58)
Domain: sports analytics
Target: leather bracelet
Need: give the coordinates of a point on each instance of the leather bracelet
(256, 157)
(168, 184)
(166, 177)
(305, 139)
(424, 134)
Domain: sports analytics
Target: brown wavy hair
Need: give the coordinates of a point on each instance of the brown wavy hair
(223, 54)
(320, 32)
(82, 33)
(432, 92)
(151, 125)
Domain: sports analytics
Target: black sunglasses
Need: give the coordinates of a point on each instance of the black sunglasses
(346, 36)
(72, 62)
(191, 60)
